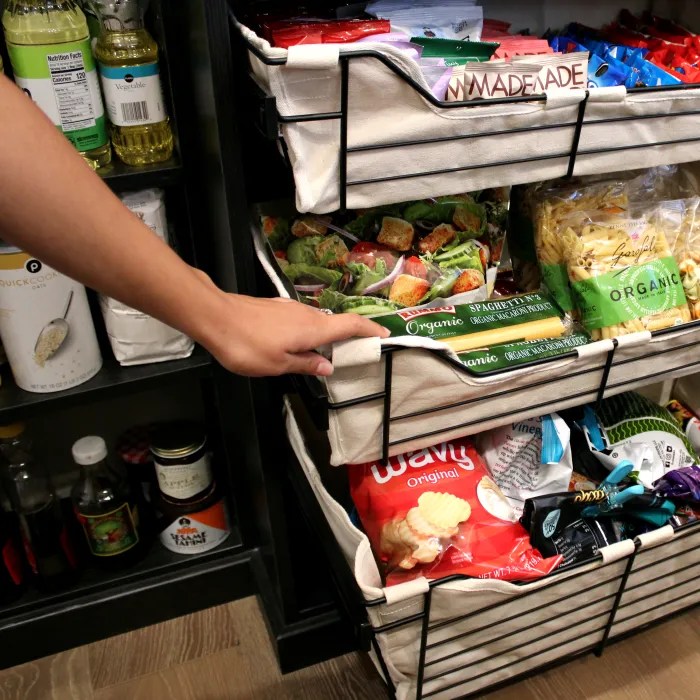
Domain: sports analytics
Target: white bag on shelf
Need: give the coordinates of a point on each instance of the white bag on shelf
(137, 338)
(384, 109)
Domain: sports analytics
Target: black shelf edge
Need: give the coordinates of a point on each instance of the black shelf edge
(163, 586)
(121, 177)
(111, 380)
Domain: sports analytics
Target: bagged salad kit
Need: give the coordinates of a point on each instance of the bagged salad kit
(389, 258)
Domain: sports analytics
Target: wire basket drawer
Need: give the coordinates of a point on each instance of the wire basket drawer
(361, 128)
(458, 637)
(464, 635)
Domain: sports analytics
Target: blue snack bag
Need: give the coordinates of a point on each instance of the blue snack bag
(631, 77)
(602, 73)
(651, 75)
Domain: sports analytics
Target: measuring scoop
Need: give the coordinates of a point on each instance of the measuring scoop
(52, 336)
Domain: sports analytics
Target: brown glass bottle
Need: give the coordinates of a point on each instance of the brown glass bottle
(47, 544)
(106, 507)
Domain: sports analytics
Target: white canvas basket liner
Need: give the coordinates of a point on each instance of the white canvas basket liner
(384, 109)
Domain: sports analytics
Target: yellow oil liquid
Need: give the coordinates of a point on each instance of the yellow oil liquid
(143, 143)
(50, 23)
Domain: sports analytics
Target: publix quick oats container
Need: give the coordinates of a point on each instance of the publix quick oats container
(45, 325)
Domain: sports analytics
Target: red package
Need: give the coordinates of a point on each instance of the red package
(522, 48)
(334, 32)
(493, 27)
(436, 512)
(665, 25)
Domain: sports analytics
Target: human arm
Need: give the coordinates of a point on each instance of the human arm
(55, 207)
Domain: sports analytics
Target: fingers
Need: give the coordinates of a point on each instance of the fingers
(343, 326)
(309, 363)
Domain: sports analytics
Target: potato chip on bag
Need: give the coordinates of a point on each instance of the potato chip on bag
(436, 512)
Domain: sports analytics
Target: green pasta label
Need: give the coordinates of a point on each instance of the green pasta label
(510, 355)
(631, 292)
(556, 277)
(452, 321)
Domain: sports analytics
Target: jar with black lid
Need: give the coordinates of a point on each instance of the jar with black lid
(182, 461)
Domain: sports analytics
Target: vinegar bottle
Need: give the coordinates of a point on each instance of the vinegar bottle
(47, 544)
(127, 57)
(106, 507)
(49, 49)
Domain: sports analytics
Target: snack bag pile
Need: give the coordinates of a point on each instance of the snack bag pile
(436, 512)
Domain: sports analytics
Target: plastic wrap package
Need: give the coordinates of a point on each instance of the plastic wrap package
(436, 512)
(388, 258)
(528, 458)
(623, 273)
(552, 208)
(683, 216)
(631, 427)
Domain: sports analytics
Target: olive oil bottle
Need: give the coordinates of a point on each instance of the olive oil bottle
(49, 49)
(127, 58)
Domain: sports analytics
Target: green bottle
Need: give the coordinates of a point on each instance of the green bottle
(49, 49)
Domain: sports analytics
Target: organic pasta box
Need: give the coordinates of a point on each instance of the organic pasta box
(510, 355)
(482, 323)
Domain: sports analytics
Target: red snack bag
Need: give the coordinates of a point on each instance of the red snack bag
(436, 512)
(333, 32)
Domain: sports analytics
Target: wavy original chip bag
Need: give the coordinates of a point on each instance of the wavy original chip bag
(436, 512)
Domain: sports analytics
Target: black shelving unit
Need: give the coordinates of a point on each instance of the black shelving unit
(112, 380)
(122, 178)
(164, 584)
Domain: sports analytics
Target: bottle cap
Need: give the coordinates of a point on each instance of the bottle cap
(89, 450)
(11, 430)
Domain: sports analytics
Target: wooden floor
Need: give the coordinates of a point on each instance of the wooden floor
(224, 654)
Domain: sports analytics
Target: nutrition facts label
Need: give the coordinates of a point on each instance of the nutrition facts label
(71, 90)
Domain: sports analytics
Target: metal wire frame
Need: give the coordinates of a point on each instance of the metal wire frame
(343, 117)
(318, 403)
(608, 619)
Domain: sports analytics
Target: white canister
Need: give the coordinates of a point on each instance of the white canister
(45, 325)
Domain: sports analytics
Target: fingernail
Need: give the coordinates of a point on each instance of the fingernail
(324, 369)
(385, 333)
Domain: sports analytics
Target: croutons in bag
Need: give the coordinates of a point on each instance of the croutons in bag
(623, 274)
(436, 512)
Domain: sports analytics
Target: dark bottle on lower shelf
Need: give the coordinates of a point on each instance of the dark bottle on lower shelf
(47, 544)
(106, 507)
(12, 583)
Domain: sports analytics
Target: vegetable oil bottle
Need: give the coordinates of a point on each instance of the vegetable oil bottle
(127, 57)
(50, 54)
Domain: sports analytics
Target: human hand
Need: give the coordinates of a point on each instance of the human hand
(269, 337)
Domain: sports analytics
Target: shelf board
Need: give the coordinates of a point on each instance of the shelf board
(121, 177)
(162, 586)
(111, 380)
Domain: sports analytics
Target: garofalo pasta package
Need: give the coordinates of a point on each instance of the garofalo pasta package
(623, 273)
(554, 207)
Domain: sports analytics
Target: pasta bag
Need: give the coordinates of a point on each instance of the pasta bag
(623, 273)
(553, 208)
(685, 215)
